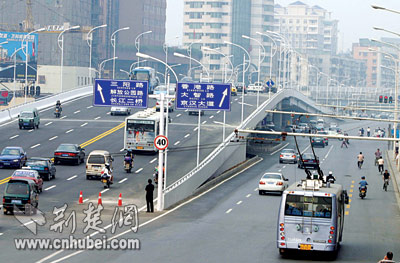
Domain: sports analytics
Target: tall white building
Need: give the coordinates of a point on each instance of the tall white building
(210, 23)
(309, 29)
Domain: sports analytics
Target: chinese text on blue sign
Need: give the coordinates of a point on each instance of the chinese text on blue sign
(203, 96)
(123, 93)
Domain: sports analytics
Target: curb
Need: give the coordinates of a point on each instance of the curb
(395, 178)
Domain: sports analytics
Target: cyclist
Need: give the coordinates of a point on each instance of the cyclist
(380, 164)
(378, 155)
(386, 178)
(360, 159)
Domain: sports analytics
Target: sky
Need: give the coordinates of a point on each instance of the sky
(356, 19)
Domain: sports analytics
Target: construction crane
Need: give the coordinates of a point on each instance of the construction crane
(29, 16)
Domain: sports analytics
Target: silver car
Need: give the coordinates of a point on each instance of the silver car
(120, 111)
(288, 155)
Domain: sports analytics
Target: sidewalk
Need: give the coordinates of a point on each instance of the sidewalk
(395, 173)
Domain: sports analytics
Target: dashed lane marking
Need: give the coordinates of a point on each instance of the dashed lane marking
(284, 167)
(69, 131)
(178, 142)
(248, 195)
(346, 213)
(105, 190)
(75, 112)
(98, 117)
(30, 130)
(351, 190)
(53, 138)
(13, 137)
(34, 146)
(228, 211)
(63, 117)
(179, 115)
(72, 177)
(152, 161)
(238, 203)
(50, 187)
(84, 124)
(47, 124)
(89, 107)
(123, 180)
(255, 189)
(187, 135)
(108, 113)
(195, 129)
(212, 116)
(280, 170)
(139, 170)
(218, 111)
(204, 122)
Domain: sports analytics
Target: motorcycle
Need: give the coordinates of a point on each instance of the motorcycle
(57, 112)
(363, 191)
(128, 164)
(106, 179)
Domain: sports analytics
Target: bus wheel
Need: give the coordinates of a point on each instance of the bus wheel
(282, 252)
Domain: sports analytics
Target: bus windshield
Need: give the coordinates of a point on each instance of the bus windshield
(144, 76)
(140, 126)
(308, 206)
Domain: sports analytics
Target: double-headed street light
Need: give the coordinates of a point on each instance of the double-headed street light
(113, 44)
(137, 43)
(89, 40)
(15, 68)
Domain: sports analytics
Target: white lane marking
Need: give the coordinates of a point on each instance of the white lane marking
(284, 167)
(212, 116)
(248, 195)
(75, 112)
(178, 142)
(87, 199)
(280, 149)
(218, 111)
(105, 190)
(47, 124)
(123, 180)
(255, 189)
(326, 156)
(89, 107)
(147, 222)
(122, 150)
(72, 177)
(178, 115)
(229, 210)
(84, 124)
(238, 203)
(305, 149)
(236, 99)
(195, 129)
(63, 117)
(139, 170)
(13, 137)
(69, 131)
(28, 223)
(1, 234)
(246, 104)
(30, 131)
(50, 187)
(98, 117)
(152, 161)
(187, 135)
(186, 110)
(280, 170)
(34, 146)
(204, 122)
(108, 113)
(52, 138)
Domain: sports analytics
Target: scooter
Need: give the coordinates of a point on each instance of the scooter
(363, 191)
(106, 180)
(57, 112)
(128, 164)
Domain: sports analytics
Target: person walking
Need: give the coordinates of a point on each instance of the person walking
(360, 160)
(149, 196)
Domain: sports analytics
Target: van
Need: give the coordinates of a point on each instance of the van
(29, 118)
(96, 162)
(20, 193)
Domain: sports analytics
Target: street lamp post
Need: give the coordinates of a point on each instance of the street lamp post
(61, 46)
(137, 43)
(127, 73)
(270, 57)
(189, 51)
(15, 69)
(113, 44)
(102, 63)
(89, 40)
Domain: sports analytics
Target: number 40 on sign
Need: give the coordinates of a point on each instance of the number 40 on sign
(161, 142)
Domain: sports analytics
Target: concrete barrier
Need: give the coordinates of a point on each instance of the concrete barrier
(12, 112)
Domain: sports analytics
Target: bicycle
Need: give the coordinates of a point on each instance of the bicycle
(385, 184)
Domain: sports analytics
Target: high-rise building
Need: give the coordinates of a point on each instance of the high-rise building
(210, 23)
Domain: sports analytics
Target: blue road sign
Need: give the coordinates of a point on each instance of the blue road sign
(203, 96)
(124, 93)
(270, 83)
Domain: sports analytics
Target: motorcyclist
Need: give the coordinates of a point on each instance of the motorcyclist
(330, 178)
(156, 173)
(363, 183)
(129, 156)
(388, 258)
(58, 105)
(108, 172)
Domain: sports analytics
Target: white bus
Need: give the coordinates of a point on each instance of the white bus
(311, 217)
(141, 129)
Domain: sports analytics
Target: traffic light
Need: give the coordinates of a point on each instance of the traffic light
(380, 98)
(390, 99)
(385, 100)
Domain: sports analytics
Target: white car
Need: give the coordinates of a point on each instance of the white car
(120, 111)
(258, 86)
(272, 182)
(288, 155)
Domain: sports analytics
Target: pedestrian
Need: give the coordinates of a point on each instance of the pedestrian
(380, 164)
(344, 144)
(149, 196)
(388, 258)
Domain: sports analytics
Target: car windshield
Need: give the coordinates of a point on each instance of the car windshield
(308, 206)
(308, 156)
(17, 189)
(288, 151)
(160, 88)
(96, 158)
(66, 148)
(9, 151)
(36, 163)
(23, 173)
(272, 176)
(26, 114)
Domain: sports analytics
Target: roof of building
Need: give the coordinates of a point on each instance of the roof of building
(317, 7)
(297, 3)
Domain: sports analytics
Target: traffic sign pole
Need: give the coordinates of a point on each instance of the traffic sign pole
(160, 196)
(198, 139)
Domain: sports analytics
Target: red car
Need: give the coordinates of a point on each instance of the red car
(30, 175)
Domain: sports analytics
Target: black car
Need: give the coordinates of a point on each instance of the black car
(318, 141)
(195, 112)
(69, 153)
(43, 166)
(308, 161)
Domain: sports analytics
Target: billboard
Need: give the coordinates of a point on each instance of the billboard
(14, 40)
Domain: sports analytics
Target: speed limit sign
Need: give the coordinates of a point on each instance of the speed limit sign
(161, 142)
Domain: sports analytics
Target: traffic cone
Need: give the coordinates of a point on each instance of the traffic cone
(120, 200)
(99, 202)
(80, 198)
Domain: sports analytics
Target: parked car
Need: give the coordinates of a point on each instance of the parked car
(21, 193)
(272, 182)
(12, 157)
(33, 175)
(308, 161)
(120, 111)
(29, 118)
(288, 155)
(67, 152)
(44, 166)
(96, 162)
(318, 141)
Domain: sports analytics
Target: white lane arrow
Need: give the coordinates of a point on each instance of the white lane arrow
(100, 89)
(225, 93)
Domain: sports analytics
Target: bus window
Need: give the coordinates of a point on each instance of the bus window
(143, 76)
(297, 205)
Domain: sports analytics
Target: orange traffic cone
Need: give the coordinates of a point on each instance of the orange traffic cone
(80, 198)
(120, 200)
(99, 202)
